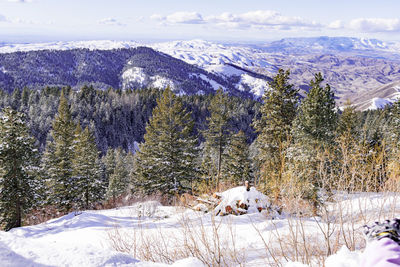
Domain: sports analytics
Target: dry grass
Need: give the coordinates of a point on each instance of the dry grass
(212, 242)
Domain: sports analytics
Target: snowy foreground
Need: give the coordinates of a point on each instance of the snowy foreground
(146, 232)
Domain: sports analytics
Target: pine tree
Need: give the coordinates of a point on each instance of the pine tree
(314, 135)
(57, 159)
(118, 179)
(25, 99)
(394, 126)
(274, 128)
(317, 118)
(18, 164)
(16, 99)
(166, 160)
(393, 140)
(208, 166)
(217, 134)
(348, 153)
(347, 124)
(238, 165)
(109, 162)
(88, 180)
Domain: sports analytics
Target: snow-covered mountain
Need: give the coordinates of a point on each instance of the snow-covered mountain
(91, 45)
(355, 68)
(385, 95)
(120, 68)
(229, 63)
(326, 44)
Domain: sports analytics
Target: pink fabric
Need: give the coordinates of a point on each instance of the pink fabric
(382, 253)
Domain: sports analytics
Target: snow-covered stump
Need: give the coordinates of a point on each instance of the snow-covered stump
(240, 200)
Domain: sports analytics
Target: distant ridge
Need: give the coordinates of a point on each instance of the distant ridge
(356, 68)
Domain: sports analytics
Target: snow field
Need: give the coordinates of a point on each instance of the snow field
(149, 232)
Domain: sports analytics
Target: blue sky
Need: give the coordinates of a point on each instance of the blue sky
(219, 20)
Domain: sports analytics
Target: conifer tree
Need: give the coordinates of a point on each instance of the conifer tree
(394, 128)
(393, 140)
(109, 162)
(208, 168)
(118, 179)
(317, 118)
(16, 99)
(18, 164)
(314, 135)
(348, 148)
(24, 98)
(166, 160)
(88, 180)
(57, 159)
(274, 128)
(237, 167)
(347, 123)
(217, 133)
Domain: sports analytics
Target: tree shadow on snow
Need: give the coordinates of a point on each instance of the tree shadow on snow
(9, 258)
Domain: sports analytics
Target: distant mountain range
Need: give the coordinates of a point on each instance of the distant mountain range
(118, 68)
(366, 71)
(326, 44)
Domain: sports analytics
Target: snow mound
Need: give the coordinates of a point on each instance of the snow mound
(240, 201)
(188, 262)
(344, 258)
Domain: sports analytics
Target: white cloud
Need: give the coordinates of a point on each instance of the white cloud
(111, 21)
(375, 25)
(367, 25)
(17, 20)
(22, 21)
(157, 17)
(337, 24)
(273, 18)
(180, 18)
(20, 1)
(255, 19)
(185, 17)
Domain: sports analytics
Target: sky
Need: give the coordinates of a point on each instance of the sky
(213, 20)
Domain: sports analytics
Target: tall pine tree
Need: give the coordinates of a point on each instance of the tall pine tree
(237, 167)
(87, 172)
(18, 164)
(166, 160)
(58, 157)
(217, 135)
(274, 128)
(314, 136)
(348, 149)
(316, 121)
(118, 173)
(393, 140)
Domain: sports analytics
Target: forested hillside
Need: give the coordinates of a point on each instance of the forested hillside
(126, 68)
(118, 118)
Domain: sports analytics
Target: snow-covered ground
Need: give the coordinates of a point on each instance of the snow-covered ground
(135, 235)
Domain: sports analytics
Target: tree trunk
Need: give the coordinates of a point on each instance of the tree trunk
(18, 214)
(219, 162)
(87, 197)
